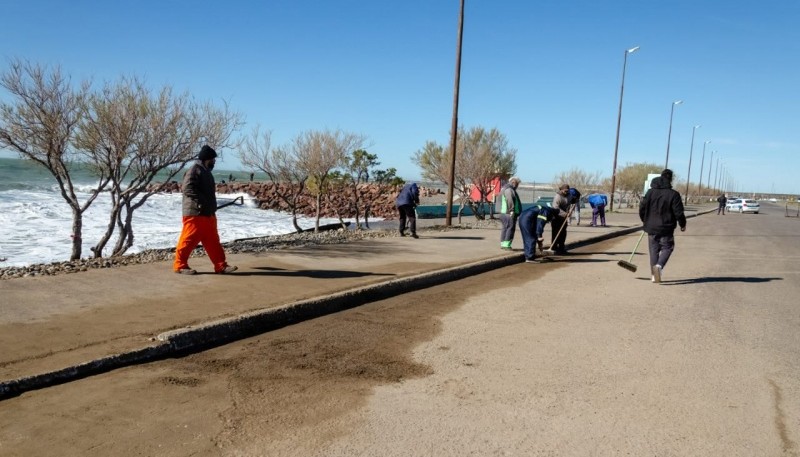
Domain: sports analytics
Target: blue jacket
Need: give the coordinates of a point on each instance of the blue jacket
(596, 200)
(409, 195)
(541, 214)
(574, 197)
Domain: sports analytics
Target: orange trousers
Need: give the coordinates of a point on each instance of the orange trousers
(196, 230)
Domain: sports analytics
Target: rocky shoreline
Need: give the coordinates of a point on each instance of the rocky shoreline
(250, 245)
(266, 194)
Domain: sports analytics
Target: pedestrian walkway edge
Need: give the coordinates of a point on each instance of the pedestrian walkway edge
(189, 340)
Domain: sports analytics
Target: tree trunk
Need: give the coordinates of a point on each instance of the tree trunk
(460, 211)
(77, 227)
(125, 240)
(294, 220)
(366, 216)
(319, 205)
(97, 250)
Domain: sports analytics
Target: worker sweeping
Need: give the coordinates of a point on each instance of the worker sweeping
(199, 216)
(661, 210)
(531, 226)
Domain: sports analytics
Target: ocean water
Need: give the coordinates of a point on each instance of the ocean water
(36, 222)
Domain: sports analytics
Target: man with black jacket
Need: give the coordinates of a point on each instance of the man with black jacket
(722, 201)
(661, 211)
(199, 216)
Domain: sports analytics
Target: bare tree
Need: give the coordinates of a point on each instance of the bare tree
(385, 180)
(631, 178)
(40, 123)
(434, 162)
(354, 179)
(482, 156)
(134, 135)
(350, 192)
(321, 152)
(281, 166)
(582, 180)
(487, 158)
(339, 196)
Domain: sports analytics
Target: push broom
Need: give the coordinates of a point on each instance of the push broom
(628, 265)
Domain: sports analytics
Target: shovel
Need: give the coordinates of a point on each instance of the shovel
(236, 201)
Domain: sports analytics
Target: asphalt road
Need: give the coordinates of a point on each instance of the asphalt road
(575, 357)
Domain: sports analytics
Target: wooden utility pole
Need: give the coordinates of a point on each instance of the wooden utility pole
(454, 126)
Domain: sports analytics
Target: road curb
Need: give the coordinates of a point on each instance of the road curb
(216, 333)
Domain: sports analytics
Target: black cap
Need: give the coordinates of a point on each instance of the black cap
(207, 153)
(667, 174)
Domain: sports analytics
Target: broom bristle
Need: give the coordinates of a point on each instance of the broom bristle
(627, 265)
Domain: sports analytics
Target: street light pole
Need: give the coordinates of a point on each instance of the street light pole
(716, 174)
(689, 173)
(710, 167)
(454, 126)
(669, 135)
(723, 178)
(702, 162)
(619, 122)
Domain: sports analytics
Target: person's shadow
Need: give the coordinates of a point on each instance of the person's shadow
(718, 279)
(319, 274)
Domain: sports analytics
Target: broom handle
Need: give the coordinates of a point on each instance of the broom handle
(637, 247)
(566, 220)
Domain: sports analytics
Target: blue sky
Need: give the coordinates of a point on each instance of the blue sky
(545, 73)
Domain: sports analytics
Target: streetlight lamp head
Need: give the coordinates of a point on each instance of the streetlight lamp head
(677, 102)
(632, 50)
(697, 126)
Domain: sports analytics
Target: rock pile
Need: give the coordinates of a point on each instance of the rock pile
(268, 196)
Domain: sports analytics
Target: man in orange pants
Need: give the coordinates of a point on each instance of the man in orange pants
(199, 216)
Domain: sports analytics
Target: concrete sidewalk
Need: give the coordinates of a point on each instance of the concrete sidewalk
(56, 329)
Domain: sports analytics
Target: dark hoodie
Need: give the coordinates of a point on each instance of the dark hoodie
(661, 209)
(199, 191)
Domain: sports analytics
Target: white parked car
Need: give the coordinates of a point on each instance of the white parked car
(731, 203)
(745, 205)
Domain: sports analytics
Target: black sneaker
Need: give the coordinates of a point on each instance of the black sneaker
(414, 235)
